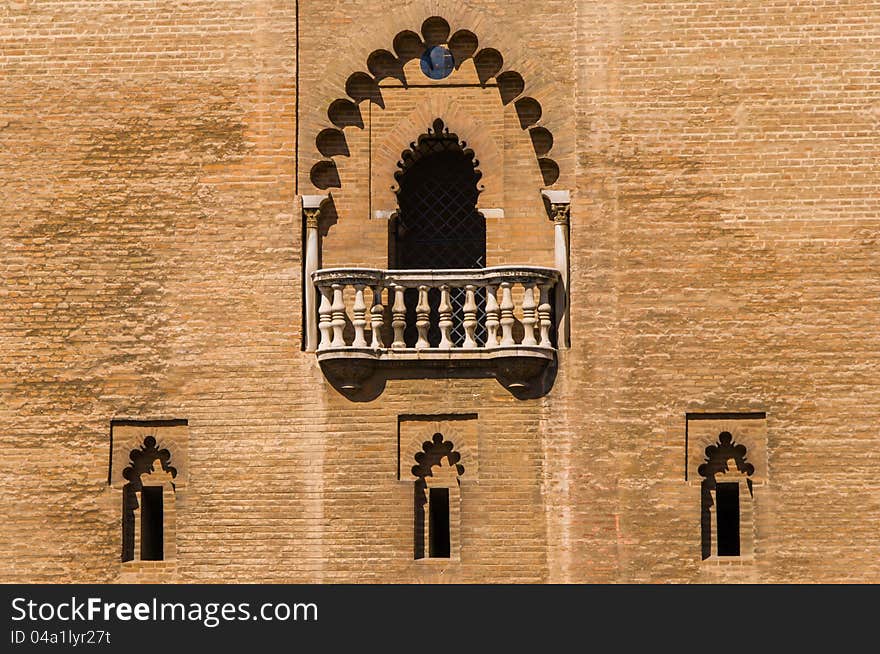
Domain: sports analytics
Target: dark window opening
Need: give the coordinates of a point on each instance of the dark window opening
(151, 523)
(438, 226)
(727, 514)
(438, 525)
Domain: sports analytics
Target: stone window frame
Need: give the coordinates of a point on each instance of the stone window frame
(163, 463)
(750, 474)
(164, 480)
(462, 431)
(442, 477)
(316, 203)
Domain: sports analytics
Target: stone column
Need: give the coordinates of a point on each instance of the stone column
(560, 211)
(311, 209)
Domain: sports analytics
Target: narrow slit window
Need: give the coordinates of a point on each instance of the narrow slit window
(726, 517)
(151, 524)
(438, 529)
(727, 512)
(437, 500)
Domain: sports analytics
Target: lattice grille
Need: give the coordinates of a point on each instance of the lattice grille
(457, 298)
(438, 225)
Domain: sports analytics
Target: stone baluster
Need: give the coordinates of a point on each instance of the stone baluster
(507, 319)
(529, 315)
(422, 318)
(445, 322)
(470, 317)
(338, 314)
(544, 309)
(359, 321)
(544, 313)
(377, 320)
(398, 318)
(325, 324)
(492, 316)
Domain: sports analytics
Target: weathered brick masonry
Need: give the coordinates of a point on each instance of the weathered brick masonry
(723, 159)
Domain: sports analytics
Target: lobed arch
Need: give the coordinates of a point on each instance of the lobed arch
(432, 456)
(456, 119)
(154, 462)
(388, 62)
(143, 460)
(437, 472)
(717, 472)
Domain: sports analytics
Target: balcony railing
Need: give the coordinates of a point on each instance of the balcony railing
(501, 319)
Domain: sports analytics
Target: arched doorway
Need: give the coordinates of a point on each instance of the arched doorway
(437, 225)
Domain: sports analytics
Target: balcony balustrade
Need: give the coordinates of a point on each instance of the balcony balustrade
(500, 320)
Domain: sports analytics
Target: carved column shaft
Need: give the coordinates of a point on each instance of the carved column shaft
(544, 315)
(398, 318)
(338, 315)
(325, 323)
(311, 216)
(470, 317)
(529, 315)
(507, 318)
(493, 316)
(377, 320)
(359, 321)
(561, 213)
(422, 318)
(445, 322)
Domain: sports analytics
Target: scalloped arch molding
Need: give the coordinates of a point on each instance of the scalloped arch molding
(407, 45)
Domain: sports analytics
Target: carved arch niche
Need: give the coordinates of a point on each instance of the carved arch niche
(438, 457)
(727, 462)
(390, 101)
(437, 500)
(149, 470)
(401, 65)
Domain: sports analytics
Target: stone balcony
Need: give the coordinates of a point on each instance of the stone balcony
(498, 321)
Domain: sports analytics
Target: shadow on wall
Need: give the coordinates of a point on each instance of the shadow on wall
(505, 373)
(384, 64)
(717, 458)
(432, 454)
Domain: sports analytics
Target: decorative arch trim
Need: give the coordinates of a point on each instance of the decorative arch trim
(344, 113)
(432, 455)
(437, 138)
(142, 461)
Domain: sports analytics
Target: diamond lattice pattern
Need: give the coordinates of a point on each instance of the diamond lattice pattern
(439, 226)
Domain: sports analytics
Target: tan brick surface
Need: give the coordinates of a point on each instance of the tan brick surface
(723, 158)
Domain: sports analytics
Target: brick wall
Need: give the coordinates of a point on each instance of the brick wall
(723, 159)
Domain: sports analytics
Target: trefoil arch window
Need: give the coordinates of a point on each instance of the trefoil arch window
(437, 500)
(727, 491)
(148, 504)
(438, 227)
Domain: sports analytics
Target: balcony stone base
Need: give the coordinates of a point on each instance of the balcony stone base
(517, 367)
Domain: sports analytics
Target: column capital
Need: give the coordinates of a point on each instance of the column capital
(560, 213)
(311, 208)
(560, 205)
(312, 216)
